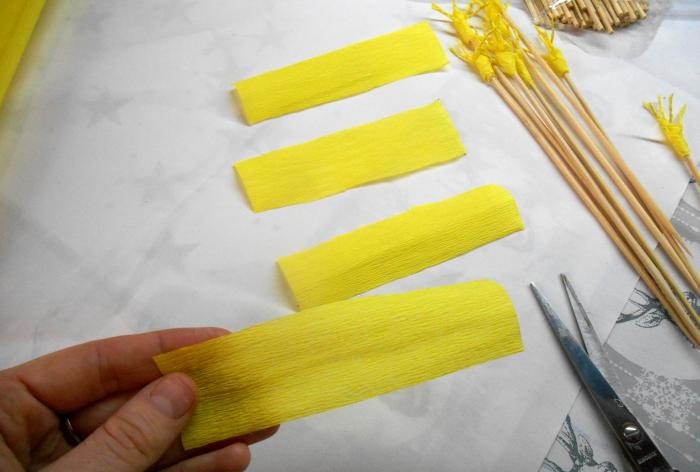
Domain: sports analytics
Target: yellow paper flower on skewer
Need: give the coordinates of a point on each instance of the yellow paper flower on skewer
(506, 60)
(492, 15)
(520, 65)
(479, 61)
(522, 69)
(554, 57)
(673, 131)
(460, 21)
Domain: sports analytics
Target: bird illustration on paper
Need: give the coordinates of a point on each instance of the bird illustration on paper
(580, 452)
(648, 311)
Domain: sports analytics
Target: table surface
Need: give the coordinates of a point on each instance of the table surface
(120, 213)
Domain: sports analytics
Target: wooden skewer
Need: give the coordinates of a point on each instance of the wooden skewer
(603, 14)
(611, 12)
(693, 170)
(630, 250)
(627, 173)
(534, 12)
(551, 13)
(640, 11)
(577, 12)
(635, 14)
(646, 200)
(575, 21)
(595, 14)
(639, 246)
(617, 8)
(682, 264)
(577, 94)
(679, 261)
(595, 19)
(549, 114)
(641, 192)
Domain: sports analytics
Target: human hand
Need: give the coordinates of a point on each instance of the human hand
(116, 399)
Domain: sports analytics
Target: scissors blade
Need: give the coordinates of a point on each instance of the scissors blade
(636, 443)
(591, 341)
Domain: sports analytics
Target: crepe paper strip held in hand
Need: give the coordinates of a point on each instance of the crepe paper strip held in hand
(341, 353)
(342, 73)
(402, 245)
(673, 130)
(385, 148)
(17, 21)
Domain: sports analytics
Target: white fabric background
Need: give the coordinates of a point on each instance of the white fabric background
(119, 211)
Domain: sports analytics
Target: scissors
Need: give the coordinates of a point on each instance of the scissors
(593, 368)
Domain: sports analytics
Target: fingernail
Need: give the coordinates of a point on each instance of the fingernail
(174, 396)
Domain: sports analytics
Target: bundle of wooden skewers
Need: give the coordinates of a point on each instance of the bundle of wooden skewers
(599, 15)
(539, 90)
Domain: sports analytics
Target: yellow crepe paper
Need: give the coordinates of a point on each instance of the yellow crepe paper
(17, 20)
(340, 353)
(325, 166)
(404, 244)
(499, 45)
(554, 57)
(671, 127)
(460, 22)
(342, 73)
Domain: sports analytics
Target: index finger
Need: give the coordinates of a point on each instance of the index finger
(77, 376)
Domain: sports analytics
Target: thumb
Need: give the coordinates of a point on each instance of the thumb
(139, 432)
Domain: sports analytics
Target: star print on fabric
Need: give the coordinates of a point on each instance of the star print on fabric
(157, 185)
(166, 252)
(154, 186)
(105, 107)
(220, 45)
(94, 18)
(171, 11)
(270, 36)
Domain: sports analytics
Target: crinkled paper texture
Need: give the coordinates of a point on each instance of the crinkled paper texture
(120, 213)
(404, 244)
(342, 73)
(392, 146)
(341, 353)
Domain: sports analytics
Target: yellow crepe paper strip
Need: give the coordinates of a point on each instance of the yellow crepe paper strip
(404, 244)
(342, 73)
(17, 21)
(672, 130)
(341, 353)
(392, 146)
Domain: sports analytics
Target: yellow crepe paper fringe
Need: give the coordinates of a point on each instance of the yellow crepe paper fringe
(460, 22)
(392, 146)
(404, 244)
(554, 56)
(17, 21)
(672, 130)
(498, 45)
(341, 353)
(342, 73)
